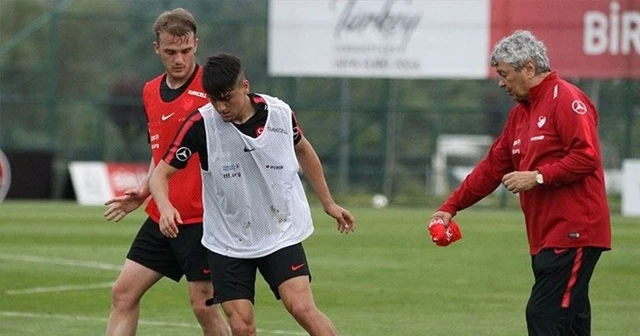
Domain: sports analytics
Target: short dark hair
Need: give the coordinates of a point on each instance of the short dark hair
(177, 22)
(221, 74)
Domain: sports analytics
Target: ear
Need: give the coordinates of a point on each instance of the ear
(246, 85)
(529, 68)
(195, 48)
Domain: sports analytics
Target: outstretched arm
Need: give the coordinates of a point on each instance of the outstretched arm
(310, 164)
(121, 206)
(159, 187)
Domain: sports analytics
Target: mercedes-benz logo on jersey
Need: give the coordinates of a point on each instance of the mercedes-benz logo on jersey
(183, 154)
(579, 107)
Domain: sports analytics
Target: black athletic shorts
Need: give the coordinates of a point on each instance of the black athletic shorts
(559, 302)
(171, 257)
(235, 278)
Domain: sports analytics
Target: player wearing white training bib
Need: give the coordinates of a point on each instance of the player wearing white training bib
(255, 201)
(256, 214)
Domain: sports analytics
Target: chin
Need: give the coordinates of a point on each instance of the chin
(178, 75)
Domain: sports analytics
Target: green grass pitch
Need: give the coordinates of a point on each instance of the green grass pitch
(57, 261)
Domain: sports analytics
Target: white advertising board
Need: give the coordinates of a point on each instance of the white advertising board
(379, 38)
(90, 182)
(94, 182)
(631, 187)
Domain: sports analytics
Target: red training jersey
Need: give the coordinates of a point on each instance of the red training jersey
(555, 133)
(164, 120)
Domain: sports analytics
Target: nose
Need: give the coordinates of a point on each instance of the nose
(220, 106)
(501, 83)
(179, 58)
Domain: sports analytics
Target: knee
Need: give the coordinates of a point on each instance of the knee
(123, 298)
(300, 310)
(198, 299)
(242, 327)
(241, 324)
(201, 310)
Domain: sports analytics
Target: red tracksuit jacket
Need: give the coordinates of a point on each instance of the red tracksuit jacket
(555, 133)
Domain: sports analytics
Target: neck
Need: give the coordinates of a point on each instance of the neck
(247, 111)
(538, 79)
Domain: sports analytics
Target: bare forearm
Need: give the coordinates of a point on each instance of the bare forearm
(144, 185)
(314, 173)
(159, 184)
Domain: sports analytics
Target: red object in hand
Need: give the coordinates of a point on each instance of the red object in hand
(444, 235)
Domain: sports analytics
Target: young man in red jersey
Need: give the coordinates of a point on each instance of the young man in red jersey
(168, 99)
(549, 154)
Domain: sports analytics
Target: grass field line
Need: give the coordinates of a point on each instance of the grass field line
(143, 322)
(60, 261)
(35, 290)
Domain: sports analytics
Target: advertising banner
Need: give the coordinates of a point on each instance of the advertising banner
(630, 187)
(378, 38)
(448, 38)
(584, 38)
(5, 176)
(95, 182)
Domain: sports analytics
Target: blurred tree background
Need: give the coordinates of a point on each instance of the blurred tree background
(71, 73)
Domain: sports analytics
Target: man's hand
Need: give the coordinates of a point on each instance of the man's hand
(345, 221)
(443, 229)
(120, 206)
(169, 220)
(446, 217)
(519, 181)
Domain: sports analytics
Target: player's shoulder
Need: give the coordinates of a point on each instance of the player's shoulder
(564, 91)
(155, 80)
(570, 96)
(273, 103)
(270, 100)
(204, 109)
(152, 85)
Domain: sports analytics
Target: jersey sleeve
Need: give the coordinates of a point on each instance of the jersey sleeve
(190, 139)
(484, 178)
(576, 122)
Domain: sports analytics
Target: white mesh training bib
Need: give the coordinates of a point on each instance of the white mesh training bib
(254, 202)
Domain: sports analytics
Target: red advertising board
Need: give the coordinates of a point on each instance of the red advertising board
(124, 176)
(584, 38)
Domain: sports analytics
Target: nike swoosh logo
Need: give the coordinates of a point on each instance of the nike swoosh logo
(165, 117)
(559, 251)
(206, 271)
(249, 149)
(296, 267)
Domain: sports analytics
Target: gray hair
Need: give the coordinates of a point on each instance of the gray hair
(520, 47)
